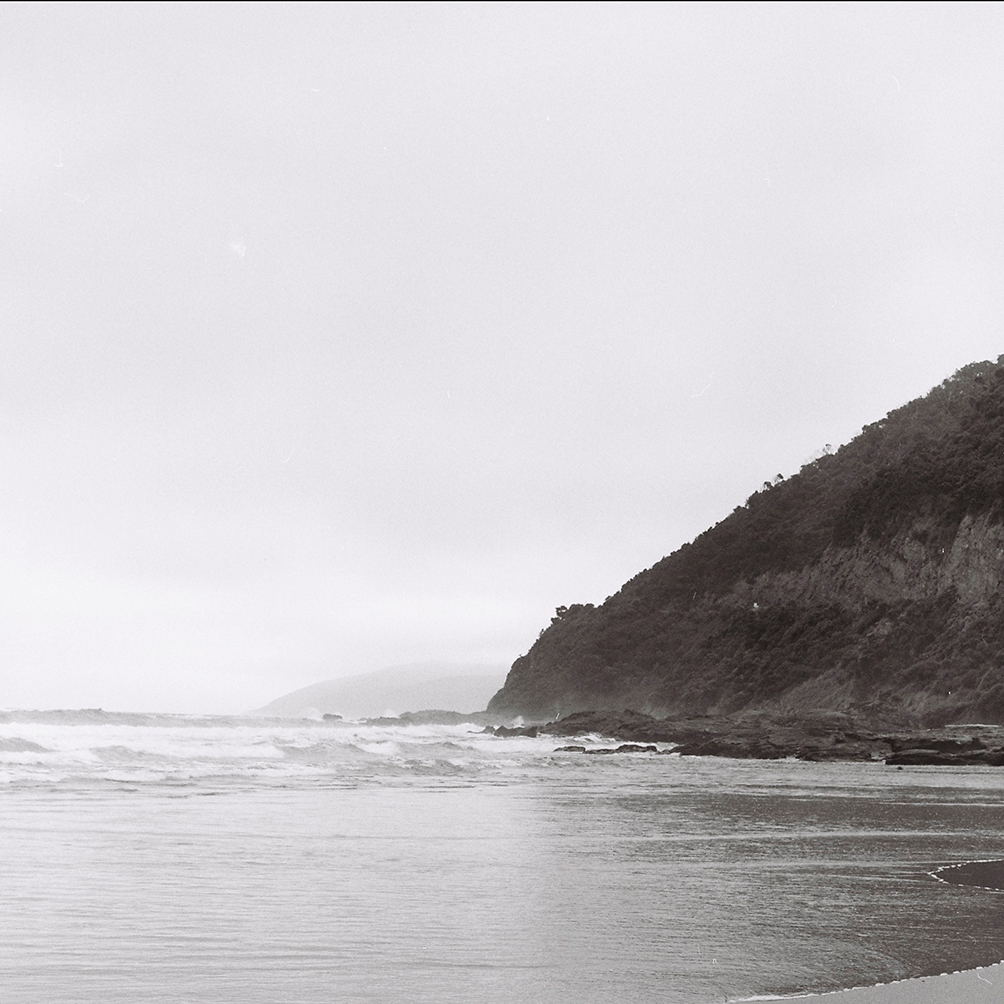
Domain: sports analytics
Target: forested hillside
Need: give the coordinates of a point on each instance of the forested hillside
(871, 578)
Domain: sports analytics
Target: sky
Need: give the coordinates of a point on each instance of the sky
(339, 336)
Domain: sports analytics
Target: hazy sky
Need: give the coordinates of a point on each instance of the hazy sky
(344, 335)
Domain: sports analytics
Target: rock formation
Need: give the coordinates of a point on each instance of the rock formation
(869, 583)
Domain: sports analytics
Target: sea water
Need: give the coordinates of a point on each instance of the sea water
(163, 858)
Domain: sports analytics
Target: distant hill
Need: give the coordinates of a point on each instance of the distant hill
(444, 686)
(872, 579)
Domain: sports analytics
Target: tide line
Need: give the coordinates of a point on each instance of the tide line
(979, 986)
(983, 985)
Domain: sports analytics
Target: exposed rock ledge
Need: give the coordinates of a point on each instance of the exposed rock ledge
(826, 736)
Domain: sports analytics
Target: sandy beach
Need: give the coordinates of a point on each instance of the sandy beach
(977, 985)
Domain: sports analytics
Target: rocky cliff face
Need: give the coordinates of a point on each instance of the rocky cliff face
(915, 564)
(868, 583)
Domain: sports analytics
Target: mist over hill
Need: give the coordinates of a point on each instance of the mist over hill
(415, 687)
(869, 580)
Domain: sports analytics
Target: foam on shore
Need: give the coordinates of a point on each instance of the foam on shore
(981, 986)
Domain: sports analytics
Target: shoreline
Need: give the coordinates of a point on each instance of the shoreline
(984, 983)
(979, 873)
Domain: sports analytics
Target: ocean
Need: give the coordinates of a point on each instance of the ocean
(162, 858)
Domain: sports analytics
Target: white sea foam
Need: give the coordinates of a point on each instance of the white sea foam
(102, 746)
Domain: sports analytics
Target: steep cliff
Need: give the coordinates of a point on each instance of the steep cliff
(870, 580)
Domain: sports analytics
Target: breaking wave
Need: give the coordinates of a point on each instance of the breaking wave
(91, 745)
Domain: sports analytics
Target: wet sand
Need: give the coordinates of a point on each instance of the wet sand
(981, 986)
(983, 874)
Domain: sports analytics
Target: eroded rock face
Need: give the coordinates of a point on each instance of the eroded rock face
(913, 565)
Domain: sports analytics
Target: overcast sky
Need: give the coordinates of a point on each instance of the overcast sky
(343, 335)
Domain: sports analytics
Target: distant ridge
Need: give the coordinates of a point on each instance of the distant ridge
(396, 689)
(871, 581)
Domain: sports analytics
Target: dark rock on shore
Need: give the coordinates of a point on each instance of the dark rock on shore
(925, 756)
(625, 748)
(825, 737)
(917, 757)
(941, 745)
(529, 730)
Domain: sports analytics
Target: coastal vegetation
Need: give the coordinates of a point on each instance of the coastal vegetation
(867, 583)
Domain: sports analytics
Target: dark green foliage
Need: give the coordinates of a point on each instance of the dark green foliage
(943, 453)
(677, 638)
(951, 465)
